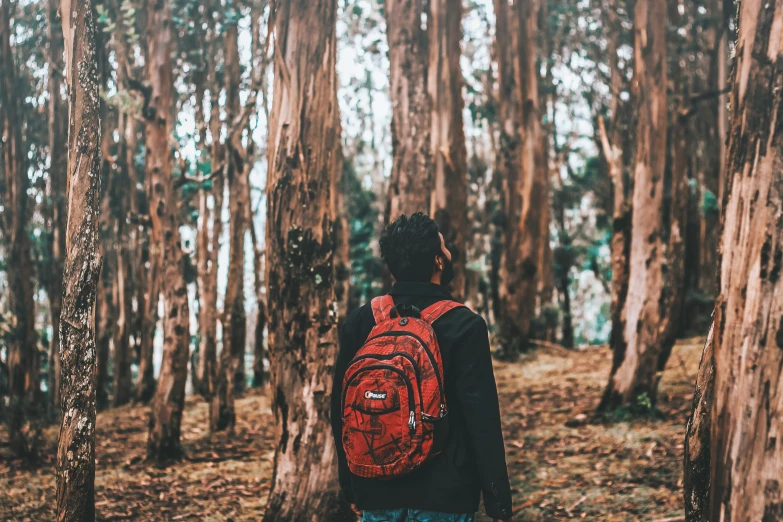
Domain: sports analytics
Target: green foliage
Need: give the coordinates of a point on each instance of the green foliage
(362, 214)
(709, 203)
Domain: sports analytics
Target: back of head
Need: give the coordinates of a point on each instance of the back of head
(409, 246)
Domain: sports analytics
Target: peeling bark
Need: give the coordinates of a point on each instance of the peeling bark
(635, 379)
(76, 448)
(612, 148)
(745, 455)
(303, 143)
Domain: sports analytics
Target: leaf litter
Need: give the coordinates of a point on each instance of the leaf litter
(562, 464)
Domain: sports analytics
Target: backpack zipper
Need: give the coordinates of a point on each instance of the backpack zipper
(429, 354)
(411, 406)
(381, 357)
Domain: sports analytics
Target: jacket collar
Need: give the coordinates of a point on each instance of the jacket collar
(420, 289)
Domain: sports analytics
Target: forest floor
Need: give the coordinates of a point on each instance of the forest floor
(560, 467)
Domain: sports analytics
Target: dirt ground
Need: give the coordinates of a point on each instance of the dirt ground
(560, 467)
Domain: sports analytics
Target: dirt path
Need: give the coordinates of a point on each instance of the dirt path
(619, 472)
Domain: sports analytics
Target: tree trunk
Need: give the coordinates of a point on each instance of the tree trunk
(145, 384)
(635, 379)
(696, 476)
(209, 245)
(103, 335)
(230, 375)
(612, 149)
(303, 158)
(714, 116)
(673, 265)
(259, 353)
(507, 161)
(449, 154)
(527, 192)
(150, 252)
(120, 187)
(58, 175)
(745, 458)
(166, 416)
(76, 448)
(411, 181)
(22, 346)
(260, 72)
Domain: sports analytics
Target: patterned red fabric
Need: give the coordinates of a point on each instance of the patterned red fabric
(393, 394)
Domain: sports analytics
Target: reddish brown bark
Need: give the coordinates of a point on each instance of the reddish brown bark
(410, 184)
(634, 380)
(58, 175)
(209, 247)
(714, 118)
(449, 199)
(507, 161)
(230, 375)
(521, 271)
(76, 448)
(612, 146)
(743, 472)
(303, 145)
(166, 416)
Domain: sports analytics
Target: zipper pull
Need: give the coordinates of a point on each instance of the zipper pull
(412, 422)
(442, 410)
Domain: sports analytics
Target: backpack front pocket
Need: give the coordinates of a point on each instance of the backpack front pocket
(378, 416)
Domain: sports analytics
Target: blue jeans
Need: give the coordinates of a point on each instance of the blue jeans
(413, 515)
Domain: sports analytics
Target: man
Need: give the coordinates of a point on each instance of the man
(447, 487)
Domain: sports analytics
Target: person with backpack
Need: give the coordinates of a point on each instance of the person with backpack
(414, 405)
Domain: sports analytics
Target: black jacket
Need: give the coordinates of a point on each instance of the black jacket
(474, 459)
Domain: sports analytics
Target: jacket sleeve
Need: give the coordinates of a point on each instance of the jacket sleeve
(479, 398)
(347, 347)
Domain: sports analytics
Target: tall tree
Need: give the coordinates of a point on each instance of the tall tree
(449, 153)
(612, 146)
(520, 271)
(121, 185)
(76, 448)
(636, 376)
(714, 120)
(58, 174)
(22, 345)
(303, 157)
(166, 416)
(676, 220)
(507, 161)
(230, 375)
(209, 240)
(410, 184)
(740, 479)
(259, 76)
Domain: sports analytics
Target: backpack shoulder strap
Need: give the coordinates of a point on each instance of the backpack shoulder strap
(382, 308)
(434, 312)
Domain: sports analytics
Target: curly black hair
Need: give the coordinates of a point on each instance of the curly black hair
(409, 246)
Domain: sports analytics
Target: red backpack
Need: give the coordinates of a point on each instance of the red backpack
(394, 407)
